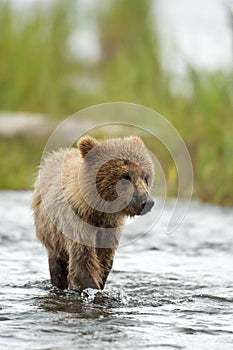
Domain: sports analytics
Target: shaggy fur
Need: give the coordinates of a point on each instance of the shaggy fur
(80, 202)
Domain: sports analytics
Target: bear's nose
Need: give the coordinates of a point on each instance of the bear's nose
(147, 203)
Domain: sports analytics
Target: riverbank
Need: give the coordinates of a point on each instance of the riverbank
(23, 139)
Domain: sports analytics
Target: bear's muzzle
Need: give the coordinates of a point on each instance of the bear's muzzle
(146, 204)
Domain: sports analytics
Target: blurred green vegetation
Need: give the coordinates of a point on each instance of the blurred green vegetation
(20, 159)
(37, 73)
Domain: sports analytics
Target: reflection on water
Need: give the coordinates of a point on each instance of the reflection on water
(165, 291)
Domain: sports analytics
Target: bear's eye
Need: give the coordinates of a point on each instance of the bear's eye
(126, 177)
(146, 179)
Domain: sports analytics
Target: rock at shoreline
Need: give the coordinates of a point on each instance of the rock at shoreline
(14, 124)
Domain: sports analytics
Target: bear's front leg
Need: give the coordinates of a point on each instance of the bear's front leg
(84, 268)
(106, 257)
(58, 270)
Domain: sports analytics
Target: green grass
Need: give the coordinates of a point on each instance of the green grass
(20, 158)
(38, 74)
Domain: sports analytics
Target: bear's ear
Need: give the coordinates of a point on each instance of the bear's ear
(136, 139)
(85, 144)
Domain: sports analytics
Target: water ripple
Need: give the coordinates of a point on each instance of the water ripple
(165, 291)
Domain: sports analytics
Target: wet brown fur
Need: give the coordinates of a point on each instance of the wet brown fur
(72, 263)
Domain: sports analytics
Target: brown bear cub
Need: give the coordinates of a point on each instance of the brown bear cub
(81, 199)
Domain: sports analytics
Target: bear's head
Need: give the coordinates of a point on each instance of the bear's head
(116, 175)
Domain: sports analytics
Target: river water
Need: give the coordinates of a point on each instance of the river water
(165, 291)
